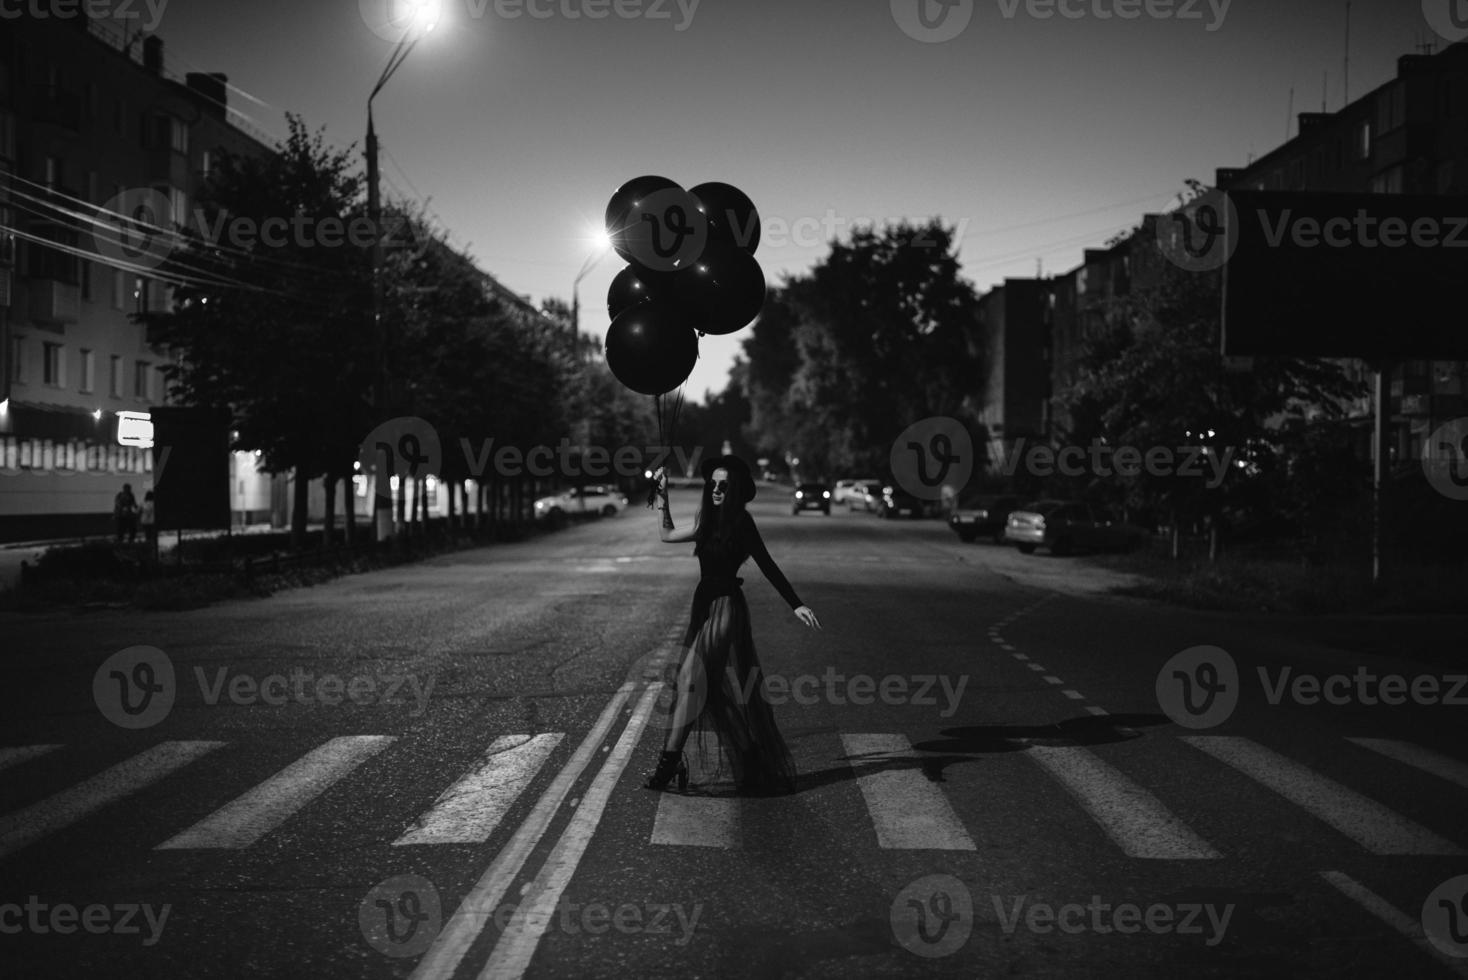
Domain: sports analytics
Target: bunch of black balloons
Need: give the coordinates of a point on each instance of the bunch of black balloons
(691, 271)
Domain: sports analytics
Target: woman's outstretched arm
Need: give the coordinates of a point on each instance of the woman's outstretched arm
(761, 556)
(666, 530)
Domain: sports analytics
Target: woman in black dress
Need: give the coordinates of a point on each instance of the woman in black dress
(720, 685)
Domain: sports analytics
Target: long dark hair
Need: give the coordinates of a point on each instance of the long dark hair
(718, 524)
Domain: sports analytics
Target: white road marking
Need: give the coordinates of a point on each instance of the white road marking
(1409, 927)
(907, 809)
(697, 821)
(23, 753)
(246, 819)
(469, 811)
(1442, 766)
(1052, 679)
(1131, 816)
(1020, 656)
(1373, 826)
(1037, 668)
(477, 909)
(1096, 709)
(1073, 695)
(26, 826)
(512, 954)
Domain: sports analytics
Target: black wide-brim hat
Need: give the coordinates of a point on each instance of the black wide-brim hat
(738, 472)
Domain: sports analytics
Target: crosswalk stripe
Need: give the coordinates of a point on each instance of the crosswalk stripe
(1434, 763)
(469, 811)
(907, 809)
(694, 821)
(1409, 928)
(1132, 817)
(26, 826)
(23, 753)
(246, 819)
(1373, 826)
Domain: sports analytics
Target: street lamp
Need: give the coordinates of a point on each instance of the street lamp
(603, 245)
(420, 19)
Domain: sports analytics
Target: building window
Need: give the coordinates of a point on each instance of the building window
(141, 378)
(119, 290)
(1363, 141)
(19, 373)
(1387, 182)
(206, 164)
(86, 268)
(179, 201)
(178, 136)
(89, 371)
(52, 176)
(116, 376)
(53, 365)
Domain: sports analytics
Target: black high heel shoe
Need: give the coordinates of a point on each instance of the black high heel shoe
(670, 764)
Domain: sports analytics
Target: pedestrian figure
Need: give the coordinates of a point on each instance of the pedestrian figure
(720, 685)
(125, 513)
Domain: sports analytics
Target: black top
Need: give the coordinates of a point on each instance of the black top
(719, 567)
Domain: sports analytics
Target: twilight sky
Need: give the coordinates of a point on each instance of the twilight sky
(1038, 137)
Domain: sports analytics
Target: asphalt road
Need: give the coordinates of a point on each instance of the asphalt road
(435, 771)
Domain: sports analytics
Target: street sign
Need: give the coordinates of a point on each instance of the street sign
(190, 468)
(1375, 276)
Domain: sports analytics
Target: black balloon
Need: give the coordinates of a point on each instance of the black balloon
(722, 292)
(625, 199)
(651, 348)
(732, 215)
(630, 287)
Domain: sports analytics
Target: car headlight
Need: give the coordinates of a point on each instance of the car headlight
(825, 493)
(798, 495)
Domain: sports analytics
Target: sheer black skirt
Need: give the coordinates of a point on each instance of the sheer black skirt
(727, 685)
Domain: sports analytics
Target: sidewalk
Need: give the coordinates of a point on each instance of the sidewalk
(14, 553)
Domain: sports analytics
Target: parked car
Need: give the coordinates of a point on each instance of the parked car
(847, 489)
(982, 516)
(811, 496)
(1066, 526)
(864, 497)
(581, 502)
(897, 502)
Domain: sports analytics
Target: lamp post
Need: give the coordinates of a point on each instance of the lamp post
(587, 266)
(382, 507)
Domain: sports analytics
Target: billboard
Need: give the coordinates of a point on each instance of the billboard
(190, 468)
(1375, 276)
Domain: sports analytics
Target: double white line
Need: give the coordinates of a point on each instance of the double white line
(536, 907)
